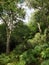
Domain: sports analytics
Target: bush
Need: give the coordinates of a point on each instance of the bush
(4, 59)
(28, 56)
(46, 62)
(45, 54)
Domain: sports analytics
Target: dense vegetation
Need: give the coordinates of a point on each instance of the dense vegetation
(20, 43)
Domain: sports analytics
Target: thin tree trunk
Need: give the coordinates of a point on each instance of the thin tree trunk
(39, 27)
(8, 41)
(9, 30)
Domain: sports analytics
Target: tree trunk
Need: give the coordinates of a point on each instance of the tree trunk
(8, 41)
(9, 30)
(39, 27)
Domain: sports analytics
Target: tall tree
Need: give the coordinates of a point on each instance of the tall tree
(42, 13)
(10, 14)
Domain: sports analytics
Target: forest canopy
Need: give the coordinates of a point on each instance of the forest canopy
(24, 43)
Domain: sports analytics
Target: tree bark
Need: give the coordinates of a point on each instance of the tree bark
(9, 30)
(39, 27)
(8, 42)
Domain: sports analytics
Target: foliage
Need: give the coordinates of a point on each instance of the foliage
(46, 62)
(27, 44)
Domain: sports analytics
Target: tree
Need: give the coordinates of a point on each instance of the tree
(42, 13)
(10, 14)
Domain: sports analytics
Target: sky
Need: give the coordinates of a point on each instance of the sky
(1, 22)
(27, 10)
(28, 13)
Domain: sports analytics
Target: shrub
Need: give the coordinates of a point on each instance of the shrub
(46, 62)
(4, 59)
